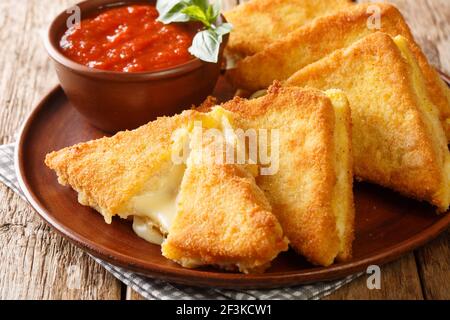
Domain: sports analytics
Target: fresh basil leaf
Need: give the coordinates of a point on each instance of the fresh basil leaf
(223, 29)
(215, 10)
(210, 14)
(202, 4)
(196, 13)
(171, 11)
(206, 45)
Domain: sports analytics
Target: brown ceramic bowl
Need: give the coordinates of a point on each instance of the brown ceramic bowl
(114, 101)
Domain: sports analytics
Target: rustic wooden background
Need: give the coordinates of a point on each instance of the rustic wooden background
(36, 263)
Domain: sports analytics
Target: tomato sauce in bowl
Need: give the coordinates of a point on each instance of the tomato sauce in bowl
(128, 39)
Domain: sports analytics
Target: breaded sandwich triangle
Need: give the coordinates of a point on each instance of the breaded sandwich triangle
(311, 192)
(257, 23)
(312, 42)
(223, 218)
(133, 174)
(398, 140)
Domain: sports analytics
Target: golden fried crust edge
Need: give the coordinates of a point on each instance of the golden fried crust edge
(101, 170)
(233, 223)
(375, 44)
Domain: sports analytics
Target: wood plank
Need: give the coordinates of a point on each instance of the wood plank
(35, 262)
(133, 295)
(434, 268)
(399, 280)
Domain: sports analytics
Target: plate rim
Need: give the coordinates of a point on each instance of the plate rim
(200, 278)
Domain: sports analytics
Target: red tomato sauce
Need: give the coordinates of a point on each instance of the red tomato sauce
(128, 39)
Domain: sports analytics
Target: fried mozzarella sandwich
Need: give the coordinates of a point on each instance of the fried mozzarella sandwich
(312, 42)
(398, 140)
(257, 23)
(230, 215)
(223, 218)
(202, 213)
(311, 193)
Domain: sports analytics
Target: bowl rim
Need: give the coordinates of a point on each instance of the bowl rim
(91, 5)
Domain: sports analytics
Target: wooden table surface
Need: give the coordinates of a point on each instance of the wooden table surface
(36, 263)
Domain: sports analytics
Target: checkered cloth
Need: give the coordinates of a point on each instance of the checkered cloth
(161, 290)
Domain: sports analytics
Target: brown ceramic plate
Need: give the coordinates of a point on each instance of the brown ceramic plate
(387, 225)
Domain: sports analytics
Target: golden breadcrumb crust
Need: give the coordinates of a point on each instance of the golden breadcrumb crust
(223, 219)
(222, 203)
(392, 144)
(349, 221)
(107, 172)
(314, 41)
(257, 23)
(343, 189)
(301, 192)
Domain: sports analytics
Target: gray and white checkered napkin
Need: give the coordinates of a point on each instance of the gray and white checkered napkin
(157, 289)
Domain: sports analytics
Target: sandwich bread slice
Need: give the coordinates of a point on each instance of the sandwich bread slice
(314, 41)
(223, 218)
(398, 140)
(311, 189)
(257, 23)
(142, 174)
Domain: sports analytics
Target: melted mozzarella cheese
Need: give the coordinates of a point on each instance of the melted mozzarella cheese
(155, 208)
(146, 230)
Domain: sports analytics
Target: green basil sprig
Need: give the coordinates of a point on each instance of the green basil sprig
(206, 43)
